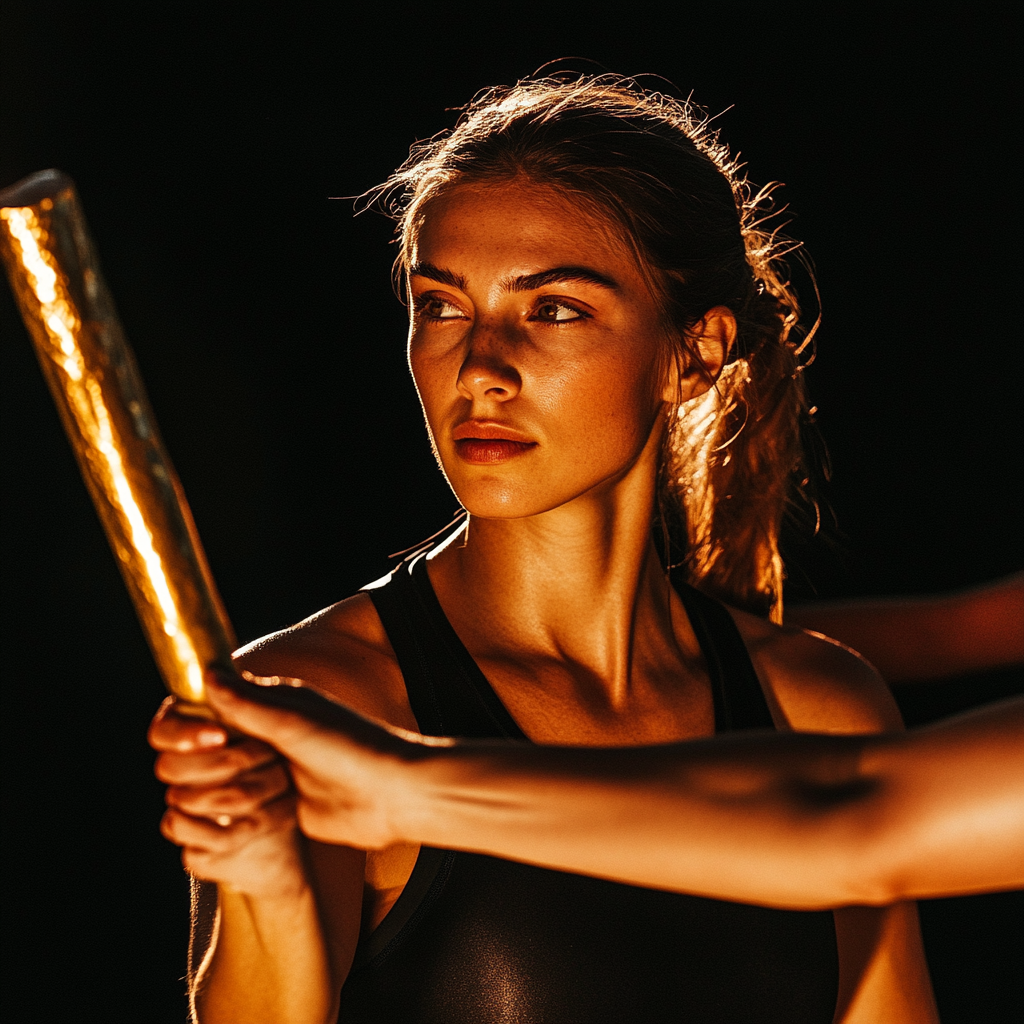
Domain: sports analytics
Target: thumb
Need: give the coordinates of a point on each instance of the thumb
(243, 703)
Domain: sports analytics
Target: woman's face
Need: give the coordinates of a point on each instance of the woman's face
(536, 348)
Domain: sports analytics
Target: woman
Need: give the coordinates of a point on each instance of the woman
(603, 344)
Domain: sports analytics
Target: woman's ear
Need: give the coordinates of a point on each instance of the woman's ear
(710, 341)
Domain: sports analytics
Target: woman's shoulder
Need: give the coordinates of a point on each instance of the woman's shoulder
(343, 652)
(817, 683)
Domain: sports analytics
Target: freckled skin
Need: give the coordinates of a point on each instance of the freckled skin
(586, 389)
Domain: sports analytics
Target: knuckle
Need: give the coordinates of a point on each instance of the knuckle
(168, 826)
(237, 799)
(254, 754)
(235, 759)
(313, 823)
(234, 800)
(233, 838)
(177, 796)
(268, 785)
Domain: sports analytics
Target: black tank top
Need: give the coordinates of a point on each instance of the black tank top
(474, 939)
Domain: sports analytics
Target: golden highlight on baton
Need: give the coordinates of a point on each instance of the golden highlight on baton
(92, 375)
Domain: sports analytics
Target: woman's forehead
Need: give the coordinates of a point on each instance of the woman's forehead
(518, 218)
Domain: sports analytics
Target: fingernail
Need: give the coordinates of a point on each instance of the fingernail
(211, 738)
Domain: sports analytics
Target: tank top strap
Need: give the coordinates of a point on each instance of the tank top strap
(448, 693)
(450, 696)
(739, 699)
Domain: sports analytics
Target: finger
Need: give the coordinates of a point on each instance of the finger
(171, 730)
(231, 834)
(240, 799)
(213, 767)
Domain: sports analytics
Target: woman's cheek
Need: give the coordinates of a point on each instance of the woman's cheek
(602, 415)
(435, 374)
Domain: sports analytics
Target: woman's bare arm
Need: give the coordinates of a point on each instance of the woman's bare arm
(797, 821)
(792, 821)
(915, 639)
(284, 933)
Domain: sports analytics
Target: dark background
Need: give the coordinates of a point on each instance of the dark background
(205, 143)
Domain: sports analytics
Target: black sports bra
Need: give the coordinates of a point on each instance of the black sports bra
(478, 939)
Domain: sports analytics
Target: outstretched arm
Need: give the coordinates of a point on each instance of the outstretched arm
(797, 821)
(916, 639)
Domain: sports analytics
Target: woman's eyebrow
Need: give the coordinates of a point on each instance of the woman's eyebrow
(531, 282)
(432, 273)
(523, 283)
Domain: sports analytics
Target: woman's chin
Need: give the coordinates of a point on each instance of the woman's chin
(489, 497)
(501, 505)
(497, 499)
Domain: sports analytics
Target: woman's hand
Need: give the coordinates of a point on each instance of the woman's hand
(353, 786)
(231, 806)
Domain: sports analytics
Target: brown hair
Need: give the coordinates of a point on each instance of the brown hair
(653, 165)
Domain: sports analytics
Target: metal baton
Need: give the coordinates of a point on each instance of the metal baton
(95, 382)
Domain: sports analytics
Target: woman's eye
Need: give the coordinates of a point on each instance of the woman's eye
(438, 309)
(552, 312)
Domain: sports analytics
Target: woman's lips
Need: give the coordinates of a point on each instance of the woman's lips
(483, 450)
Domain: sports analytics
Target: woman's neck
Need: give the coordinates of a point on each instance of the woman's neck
(581, 584)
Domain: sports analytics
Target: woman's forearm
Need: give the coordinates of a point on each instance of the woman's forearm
(269, 962)
(683, 817)
(793, 821)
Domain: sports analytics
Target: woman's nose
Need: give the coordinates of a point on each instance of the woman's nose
(486, 372)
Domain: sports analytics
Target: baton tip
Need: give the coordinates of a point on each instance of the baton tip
(35, 188)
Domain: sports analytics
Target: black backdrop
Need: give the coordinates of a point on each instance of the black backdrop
(205, 143)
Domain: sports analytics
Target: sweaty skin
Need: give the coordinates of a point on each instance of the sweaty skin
(539, 358)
